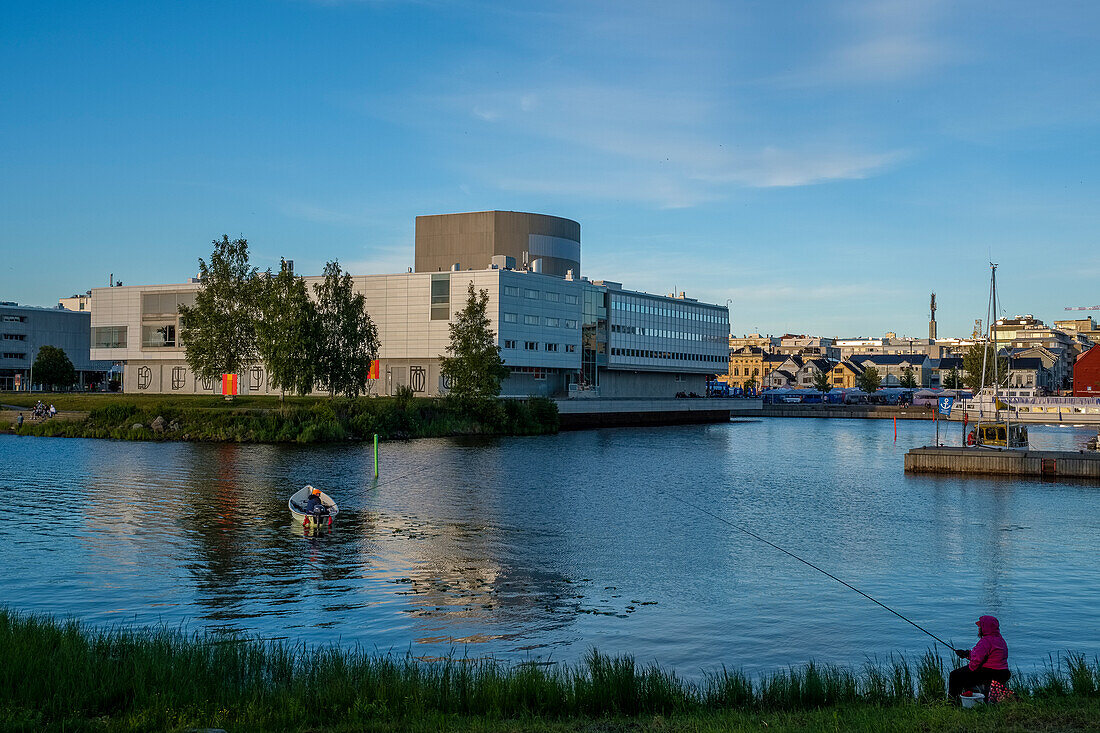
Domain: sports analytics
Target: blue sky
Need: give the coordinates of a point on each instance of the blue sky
(823, 165)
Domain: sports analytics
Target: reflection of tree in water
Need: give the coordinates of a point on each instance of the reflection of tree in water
(247, 557)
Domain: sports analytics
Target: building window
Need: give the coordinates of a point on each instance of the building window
(532, 294)
(551, 347)
(553, 322)
(552, 297)
(109, 337)
(509, 317)
(511, 290)
(15, 337)
(15, 319)
(14, 355)
(570, 348)
(158, 335)
(570, 323)
(441, 297)
(530, 345)
(570, 299)
(509, 343)
(158, 303)
(530, 320)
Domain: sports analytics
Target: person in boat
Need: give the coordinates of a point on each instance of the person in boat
(988, 659)
(314, 505)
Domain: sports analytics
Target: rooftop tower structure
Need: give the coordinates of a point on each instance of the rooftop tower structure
(540, 243)
(932, 321)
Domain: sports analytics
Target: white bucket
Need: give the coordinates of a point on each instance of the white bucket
(970, 701)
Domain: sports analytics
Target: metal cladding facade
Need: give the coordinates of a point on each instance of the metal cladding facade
(546, 244)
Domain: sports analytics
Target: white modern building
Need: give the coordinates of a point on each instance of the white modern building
(559, 335)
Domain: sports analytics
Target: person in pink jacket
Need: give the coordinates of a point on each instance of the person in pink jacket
(988, 659)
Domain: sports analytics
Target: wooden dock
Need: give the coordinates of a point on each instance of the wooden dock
(1042, 463)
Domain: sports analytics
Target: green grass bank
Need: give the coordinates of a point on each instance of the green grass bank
(269, 420)
(61, 675)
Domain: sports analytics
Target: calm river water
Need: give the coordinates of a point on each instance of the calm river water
(542, 548)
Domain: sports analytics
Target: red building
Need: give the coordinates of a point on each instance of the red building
(1086, 374)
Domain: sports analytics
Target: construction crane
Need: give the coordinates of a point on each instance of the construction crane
(1083, 308)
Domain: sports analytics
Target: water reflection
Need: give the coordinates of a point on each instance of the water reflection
(543, 547)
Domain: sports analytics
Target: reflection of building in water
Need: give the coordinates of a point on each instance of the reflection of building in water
(249, 559)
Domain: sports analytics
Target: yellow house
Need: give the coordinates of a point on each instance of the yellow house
(746, 364)
(844, 375)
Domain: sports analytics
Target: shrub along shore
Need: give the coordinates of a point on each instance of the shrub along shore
(57, 674)
(271, 420)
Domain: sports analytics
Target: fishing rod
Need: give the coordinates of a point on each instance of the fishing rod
(752, 534)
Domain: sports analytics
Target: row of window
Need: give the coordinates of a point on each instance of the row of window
(533, 320)
(667, 310)
(13, 355)
(663, 333)
(536, 372)
(15, 337)
(15, 319)
(532, 294)
(534, 346)
(653, 354)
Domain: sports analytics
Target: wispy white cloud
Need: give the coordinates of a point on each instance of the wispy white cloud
(665, 149)
(880, 41)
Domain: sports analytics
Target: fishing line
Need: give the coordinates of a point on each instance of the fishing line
(752, 534)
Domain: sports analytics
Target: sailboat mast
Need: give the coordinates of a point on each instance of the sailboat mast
(993, 333)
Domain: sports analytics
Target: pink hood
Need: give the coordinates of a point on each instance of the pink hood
(991, 651)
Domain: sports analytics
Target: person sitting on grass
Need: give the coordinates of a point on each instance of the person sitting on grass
(988, 659)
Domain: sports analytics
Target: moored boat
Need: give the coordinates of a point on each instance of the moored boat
(297, 506)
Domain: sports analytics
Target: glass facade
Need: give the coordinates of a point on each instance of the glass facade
(593, 335)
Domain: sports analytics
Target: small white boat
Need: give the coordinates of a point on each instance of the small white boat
(297, 506)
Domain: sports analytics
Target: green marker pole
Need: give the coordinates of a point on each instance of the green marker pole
(376, 455)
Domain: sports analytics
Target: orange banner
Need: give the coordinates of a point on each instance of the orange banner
(373, 373)
(229, 384)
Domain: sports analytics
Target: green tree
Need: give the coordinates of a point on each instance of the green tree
(749, 385)
(53, 369)
(287, 331)
(474, 366)
(972, 364)
(821, 382)
(219, 331)
(348, 338)
(908, 379)
(953, 379)
(869, 380)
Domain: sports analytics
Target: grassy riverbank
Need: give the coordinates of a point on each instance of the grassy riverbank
(269, 420)
(55, 674)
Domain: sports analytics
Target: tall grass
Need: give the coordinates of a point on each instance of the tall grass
(303, 420)
(168, 678)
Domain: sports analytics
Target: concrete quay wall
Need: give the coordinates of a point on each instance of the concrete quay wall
(580, 414)
(856, 412)
(1049, 464)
